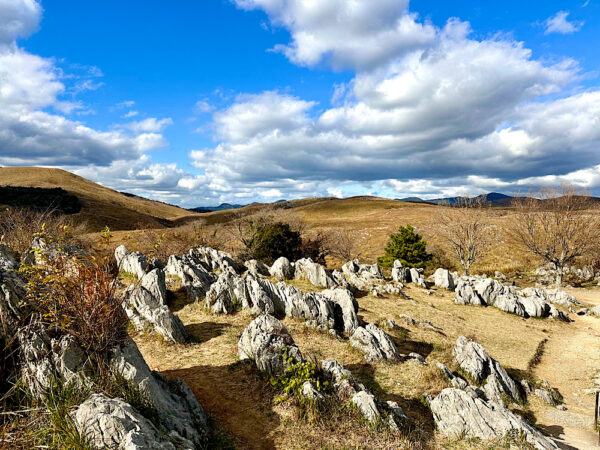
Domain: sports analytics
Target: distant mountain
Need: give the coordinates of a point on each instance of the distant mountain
(221, 207)
(495, 198)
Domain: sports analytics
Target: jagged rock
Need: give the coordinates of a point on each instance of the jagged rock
(443, 278)
(146, 305)
(8, 259)
(474, 360)
(306, 269)
(595, 311)
(311, 307)
(340, 279)
(262, 296)
(381, 289)
(194, 275)
(282, 269)
(416, 276)
(134, 263)
(546, 396)
(499, 275)
(264, 341)
(215, 259)
(345, 308)
(362, 276)
(227, 294)
(309, 392)
(365, 402)
(400, 274)
(12, 293)
(489, 292)
(342, 380)
(257, 267)
(418, 358)
(112, 423)
(374, 343)
(459, 414)
(180, 414)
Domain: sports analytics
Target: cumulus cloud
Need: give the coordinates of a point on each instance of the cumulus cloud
(559, 23)
(346, 34)
(18, 18)
(150, 125)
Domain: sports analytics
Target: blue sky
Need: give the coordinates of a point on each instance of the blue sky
(196, 103)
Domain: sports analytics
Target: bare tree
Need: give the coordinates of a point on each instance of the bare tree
(343, 244)
(465, 226)
(558, 225)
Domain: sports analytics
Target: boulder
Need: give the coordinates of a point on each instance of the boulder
(264, 341)
(12, 293)
(499, 276)
(306, 269)
(112, 423)
(345, 308)
(257, 267)
(475, 361)
(262, 296)
(442, 278)
(312, 307)
(181, 416)
(215, 259)
(362, 276)
(146, 305)
(227, 294)
(194, 275)
(400, 274)
(374, 343)
(460, 414)
(282, 269)
(134, 263)
(546, 396)
(595, 311)
(8, 259)
(416, 276)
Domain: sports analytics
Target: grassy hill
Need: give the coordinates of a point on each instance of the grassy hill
(100, 206)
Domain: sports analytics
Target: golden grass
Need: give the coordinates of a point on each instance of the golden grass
(244, 404)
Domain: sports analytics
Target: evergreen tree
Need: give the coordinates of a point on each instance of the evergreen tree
(406, 246)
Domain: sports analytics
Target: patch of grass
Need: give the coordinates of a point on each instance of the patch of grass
(537, 356)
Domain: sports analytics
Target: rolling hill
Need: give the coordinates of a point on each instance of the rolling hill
(95, 204)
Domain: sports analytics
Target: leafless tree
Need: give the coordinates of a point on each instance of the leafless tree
(342, 244)
(465, 225)
(559, 225)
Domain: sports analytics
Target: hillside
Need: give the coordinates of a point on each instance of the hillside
(100, 206)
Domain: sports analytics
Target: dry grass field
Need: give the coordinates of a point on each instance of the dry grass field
(243, 403)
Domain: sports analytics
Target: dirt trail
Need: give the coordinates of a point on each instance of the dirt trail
(569, 363)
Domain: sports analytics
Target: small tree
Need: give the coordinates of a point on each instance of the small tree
(274, 240)
(464, 225)
(406, 246)
(559, 226)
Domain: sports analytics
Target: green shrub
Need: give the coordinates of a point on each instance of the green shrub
(406, 246)
(273, 240)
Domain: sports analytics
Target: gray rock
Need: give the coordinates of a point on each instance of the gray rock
(8, 259)
(595, 311)
(475, 361)
(362, 276)
(194, 275)
(459, 414)
(416, 276)
(282, 269)
(417, 358)
(12, 293)
(215, 259)
(264, 341)
(262, 296)
(112, 423)
(310, 392)
(306, 269)
(365, 402)
(134, 263)
(546, 396)
(146, 306)
(499, 275)
(257, 267)
(227, 294)
(442, 278)
(374, 343)
(400, 274)
(345, 308)
(180, 414)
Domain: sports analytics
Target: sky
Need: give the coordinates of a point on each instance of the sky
(201, 102)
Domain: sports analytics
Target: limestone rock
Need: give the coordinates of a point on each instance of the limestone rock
(194, 275)
(345, 308)
(443, 278)
(146, 305)
(134, 263)
(306, 269)
(112, 423)
(282, 269)
(475, 361)
(374, 343)
(264, 342)
(416, 276)
(400, 274)
(215, 259)
(257, 267)
(227, 294)
(180, 414)
(457, 413)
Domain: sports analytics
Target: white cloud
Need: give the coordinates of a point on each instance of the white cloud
(559, 23)
(346, 34)
(130, 114)
(150, 125)
(18, 18)
(202, 107)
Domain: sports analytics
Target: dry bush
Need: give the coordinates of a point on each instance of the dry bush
(78, 297)
(560, 226)
(465, 225)
(19, 225)
(342, 244)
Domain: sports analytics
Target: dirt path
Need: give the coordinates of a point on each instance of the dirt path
(569, 363)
